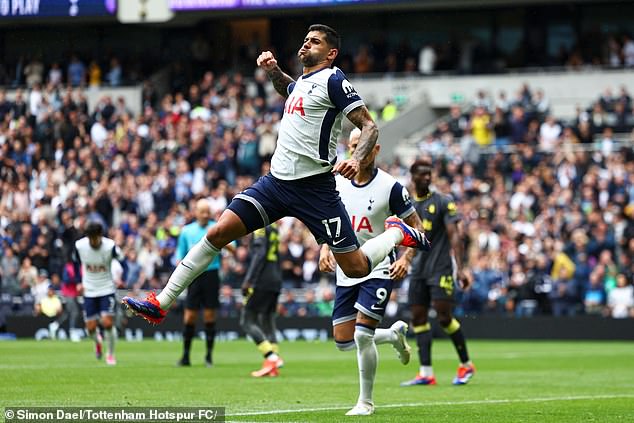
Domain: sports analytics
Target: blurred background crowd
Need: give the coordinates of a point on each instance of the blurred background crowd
(547, 205)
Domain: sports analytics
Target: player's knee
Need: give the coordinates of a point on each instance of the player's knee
(247, 319)
(228, 228)
(354, 270)
(444, 320)
(419, 316)
(345, 345)
(363, 336)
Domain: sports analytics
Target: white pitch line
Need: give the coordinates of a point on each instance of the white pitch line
(427, 404)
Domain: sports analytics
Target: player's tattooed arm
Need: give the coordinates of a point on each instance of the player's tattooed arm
(280, 80)
(361, 118)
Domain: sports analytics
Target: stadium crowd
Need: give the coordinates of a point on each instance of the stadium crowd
(549, 226)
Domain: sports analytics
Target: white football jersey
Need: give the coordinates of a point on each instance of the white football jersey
(96, 276)
(307, 140)
(368, 206)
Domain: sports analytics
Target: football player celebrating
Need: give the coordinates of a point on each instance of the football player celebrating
(301, 182)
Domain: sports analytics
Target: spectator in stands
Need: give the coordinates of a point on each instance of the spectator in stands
(621, 299)
(55, 75)
(27, 276)
(628, 51)
(94, 74)
(426, 59)
(594, 299)
(389, 111)
(564, 295)
(40, 289)
(481, 127)
(34, 72)
(76, 72)
(115, 73)
(288, 307)
(228, 302)
(309, 308)
(326, 304)
(50, 305)
(363, 60)
(549, 133)
(9, 269)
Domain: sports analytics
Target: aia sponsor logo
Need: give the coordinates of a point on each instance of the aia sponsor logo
(294, 105)
(96, 268)
(361, 224)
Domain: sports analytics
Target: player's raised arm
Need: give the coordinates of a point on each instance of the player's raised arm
(280, 80)
(361, 118)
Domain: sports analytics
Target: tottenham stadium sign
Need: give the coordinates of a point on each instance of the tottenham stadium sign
(55, 8)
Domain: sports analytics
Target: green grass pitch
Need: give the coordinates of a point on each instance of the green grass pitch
(516, 381)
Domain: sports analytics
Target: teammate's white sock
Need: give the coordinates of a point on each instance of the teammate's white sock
(377, 248)
(426, 371)
(194, 263)
(367, 359)
(109, 337)
(385, 336)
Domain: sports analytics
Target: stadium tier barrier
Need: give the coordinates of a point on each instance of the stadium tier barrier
(320, 328)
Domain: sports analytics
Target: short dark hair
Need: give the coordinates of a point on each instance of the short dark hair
(421, 162)
(94, 229)
(332, 37)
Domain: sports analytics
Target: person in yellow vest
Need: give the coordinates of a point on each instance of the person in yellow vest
(481, 127)
(51, 307)
(389, 111)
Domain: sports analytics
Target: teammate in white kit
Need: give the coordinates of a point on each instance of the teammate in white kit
(301, 182)
(371, 197)
(95, 253)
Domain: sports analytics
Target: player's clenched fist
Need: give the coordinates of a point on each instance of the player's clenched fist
(266, 61)
(347, 168)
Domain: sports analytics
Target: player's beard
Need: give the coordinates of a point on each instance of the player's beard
(308, 60)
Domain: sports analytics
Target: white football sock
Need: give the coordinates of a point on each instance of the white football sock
(194, 263)
(367, 360)
(109, 337)
(385, 336)
(377, 248)
(426, 371)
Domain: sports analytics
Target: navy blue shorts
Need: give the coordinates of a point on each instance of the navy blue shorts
(369, 297)
(98, 306)
(313, 200)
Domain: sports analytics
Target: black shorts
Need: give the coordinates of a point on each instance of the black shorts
(203, 292)
(437, 288)
(314, 200)
(262, 301)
